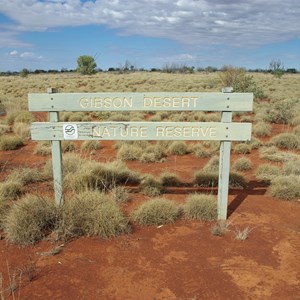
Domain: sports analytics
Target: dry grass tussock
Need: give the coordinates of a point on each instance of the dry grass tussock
(156, 211)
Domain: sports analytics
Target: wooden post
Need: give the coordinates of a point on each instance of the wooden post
(224, 167)
(56, 159)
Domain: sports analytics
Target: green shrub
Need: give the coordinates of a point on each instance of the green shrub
(150, 186)
(292, 167)
(200, 207)
(4, 208)
(282, 112)
(42, 148)
(242, 164)
(22, 130)
(210, 179)
(101, 176)
(237, 180)
(24, 117)
(156, 212)
(178, 148)
(90, 145)
(286, 187)
(200, 151)
(267, 172)
(240, 81)
(92, 214)
(129, 152)
(262, 129)
(206, 178)
(152, 153)
(272, 154)
(4, 129)
(10, 143)
(242, 148)
(10, 190)
(286, 141)
(67, 146)
(119, 194)
(30, 220)
(25, 175)
(212, 165)
(169, 179)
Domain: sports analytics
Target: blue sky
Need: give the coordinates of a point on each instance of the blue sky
(52, 34)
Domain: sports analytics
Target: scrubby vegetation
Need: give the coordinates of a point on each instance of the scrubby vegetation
(98, 191)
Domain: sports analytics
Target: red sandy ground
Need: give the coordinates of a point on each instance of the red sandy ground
(177, 261)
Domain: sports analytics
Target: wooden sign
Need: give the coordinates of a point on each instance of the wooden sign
(141, 101)
(191, 131)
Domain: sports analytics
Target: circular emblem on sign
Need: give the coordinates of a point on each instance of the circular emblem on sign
(70, 130)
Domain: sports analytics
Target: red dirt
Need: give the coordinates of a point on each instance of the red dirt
(176, 261)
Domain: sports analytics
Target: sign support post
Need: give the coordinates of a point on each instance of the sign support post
(56, 159)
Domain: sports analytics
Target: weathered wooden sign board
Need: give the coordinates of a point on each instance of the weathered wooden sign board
(224, 131)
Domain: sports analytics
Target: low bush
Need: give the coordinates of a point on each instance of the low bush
(119, 194)
(282, 112)
(67, 146)
(237, 180)
(267, 172)
(92, 214)
(129, 152)
(10, 190)
(210, 179)
(10, 142)
(4, 129)
(150, 186)
(4, 207)
(42, 148)
(292, 167)
(152, 153)
(200, 151)
(287, 141)
(212, 165)
(242, 164)
(25, 175)
(24, 117)
(286, 187)
(22, 130)
(30, 220)
(272, 154)
(169, 179)
(156, 211)
(206, 178)
(178, 148)
(90, 145)
(262, 129)
(200, 207)
(242, 148)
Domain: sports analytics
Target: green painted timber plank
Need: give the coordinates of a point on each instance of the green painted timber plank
(158, 101)
(141, 131)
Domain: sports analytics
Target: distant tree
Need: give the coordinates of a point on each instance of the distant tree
(24, 72)
(86, 65)
(276, 67)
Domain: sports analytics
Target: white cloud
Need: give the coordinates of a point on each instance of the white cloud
(232, 22)
(13, 53)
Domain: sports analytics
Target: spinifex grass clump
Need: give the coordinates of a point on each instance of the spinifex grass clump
(169, 179)
(286, 141)
(156, 211)
(10, 190)
(10, 142)
(178, 148)
(286, 187)
(267, 172)
(210, 179)
(4, 207)
(242, 164)
(150, 186)
(200, 207)
(92, 214)
(30, 220)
